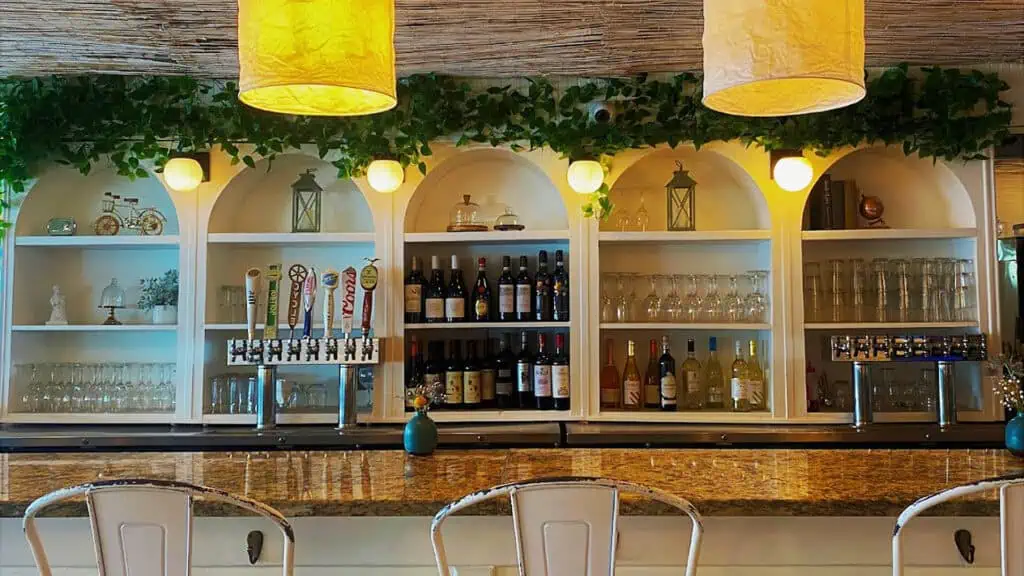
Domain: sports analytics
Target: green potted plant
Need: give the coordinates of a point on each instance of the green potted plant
(161, 296)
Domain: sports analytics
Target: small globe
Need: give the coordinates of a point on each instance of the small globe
(871, 207)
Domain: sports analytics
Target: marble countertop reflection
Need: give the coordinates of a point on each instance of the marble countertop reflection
(720, 482)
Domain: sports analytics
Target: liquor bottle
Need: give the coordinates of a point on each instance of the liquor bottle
(542, 375)
(453, 379)
(524, 293)
(611, 392)
(739, 391)
(481, 293)
(632, 387)
(488, 376)
(524, 373)
(542, 292)
(471, 387)
(415, 376)
(506, 292)
(755, 380)
(415, 291)
(434, 304)
(713, 377)
(455, 299)
(505, 382)
(667, 369)
(560, 290)
(693, 393)
(433, 371)
(560, 374)
(652, 378)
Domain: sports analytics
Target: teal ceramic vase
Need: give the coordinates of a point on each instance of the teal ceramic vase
(420, 437)
(1015, 435)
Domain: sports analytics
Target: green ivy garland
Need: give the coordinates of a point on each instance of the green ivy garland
(940, 113)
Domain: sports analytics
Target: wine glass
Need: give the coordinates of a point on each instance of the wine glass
(735, 309)
(673, 303)
(652, 303)
(711, 305)
(608, 297)
(691, 306)
(757, 303)
(643, 219)
(622, 301)
(77, 388)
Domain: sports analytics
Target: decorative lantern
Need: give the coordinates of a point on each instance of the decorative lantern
(679, 191)
(306, 203)
(781, 58)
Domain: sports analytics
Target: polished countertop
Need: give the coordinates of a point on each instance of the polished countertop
(726, 482)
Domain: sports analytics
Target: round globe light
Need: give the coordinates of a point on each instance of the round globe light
(385, 176)
(585, 176)
(793, 173)
(183, 174)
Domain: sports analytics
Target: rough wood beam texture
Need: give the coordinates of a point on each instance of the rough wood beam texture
(475, 37)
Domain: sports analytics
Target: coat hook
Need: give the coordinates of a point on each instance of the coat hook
(254, 546)
(962, 538)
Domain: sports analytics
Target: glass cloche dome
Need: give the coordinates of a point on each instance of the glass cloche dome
(465, 217)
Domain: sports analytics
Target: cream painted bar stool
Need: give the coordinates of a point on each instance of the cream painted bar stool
(566, 526)
(1011, 520)
(144, 527)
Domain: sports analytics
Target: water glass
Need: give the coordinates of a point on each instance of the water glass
(813, 293)
(97, 388)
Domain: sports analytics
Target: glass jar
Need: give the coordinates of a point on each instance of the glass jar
(465, 217)
(508, 221)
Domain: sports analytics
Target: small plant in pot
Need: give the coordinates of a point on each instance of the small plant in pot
(161, 296)
(1011, 396)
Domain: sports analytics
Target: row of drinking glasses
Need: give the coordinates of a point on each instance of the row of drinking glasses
(684, 298)
(884, 290)
(234, 393)
(888, 393)
(100, 388)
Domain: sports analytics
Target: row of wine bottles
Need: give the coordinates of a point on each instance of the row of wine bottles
(543, 298)
(489, 379)
(695, 386)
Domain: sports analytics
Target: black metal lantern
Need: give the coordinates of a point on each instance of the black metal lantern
(680, 192)
(306, 203)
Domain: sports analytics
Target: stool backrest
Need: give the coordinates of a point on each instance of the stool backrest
(144, 527)
(1011, 520)
(566, 526)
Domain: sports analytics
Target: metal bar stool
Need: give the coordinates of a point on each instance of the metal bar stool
(1011, 520)
(566, 526)
(144, 527)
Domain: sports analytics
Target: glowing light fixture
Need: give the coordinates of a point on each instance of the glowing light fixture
(183, 174)
(317, 57)
(790, 170)
(781, 58)
(385, 176)
(585, 176)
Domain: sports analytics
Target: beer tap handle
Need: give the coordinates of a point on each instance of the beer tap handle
(252, 290)
(273, 293)
(329, 279)
(297, 274)
(348, 302)
(308, 299)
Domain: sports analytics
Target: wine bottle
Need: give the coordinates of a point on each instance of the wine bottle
(542, 375)
(436, 292)
(524, 292)
(560, 290)
(414, 375)
(739, 391)
(611, 392)
(434, 373)
(471, 387)
(506, 292)
(542, 291)
(713, 377)
(755, 380)
(488, 376)
(693, 393)
(667, 369)
(652, 378)
(481, 293)
(560, 375)
(455, 299)
(632, 386)
(524, 373)
(505, 381)
(415, 292)
(453, 378)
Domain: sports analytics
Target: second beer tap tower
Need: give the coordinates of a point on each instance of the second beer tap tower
(270, 351)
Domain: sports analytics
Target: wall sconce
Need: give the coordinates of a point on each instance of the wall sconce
(585, 175)
(790, 170)
(184, 172)
(385, 176)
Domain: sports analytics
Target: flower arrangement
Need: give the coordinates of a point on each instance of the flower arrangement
(426, 395)
(1008, 387)
(162, 291)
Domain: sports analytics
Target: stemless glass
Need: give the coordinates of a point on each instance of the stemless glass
(858, 287)
(652, 303)
(901, 270)
(880, 266)
(837, 289)
(926, 391)
(692, 304)
(735, 308)
(77, 388)
(90, 400)
(813, 292)
(963, 284)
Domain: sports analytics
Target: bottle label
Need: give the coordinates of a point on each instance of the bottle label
(453, 387)
(455, 308)
(505, 383)
(692, 382)
(471, 387)
(651, 393)
(631, 390)
(542, 381)
(668, 390)
(739, 389)
(715, 395)
(523, 298)
(523, 373)
(560, 381)
(756, 388)
(435, 308)
(487, 384)
(481, 308)
(413, 303)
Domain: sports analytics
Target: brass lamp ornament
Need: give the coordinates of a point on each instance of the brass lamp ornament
(681, 203)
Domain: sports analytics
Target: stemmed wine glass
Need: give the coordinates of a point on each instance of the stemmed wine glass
(652, 303)
(757, 303)
(673, 303)
(711, 305)
(643, 219)
(735, 309)
(692, 304)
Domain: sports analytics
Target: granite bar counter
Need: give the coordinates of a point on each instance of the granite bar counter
(720, 482)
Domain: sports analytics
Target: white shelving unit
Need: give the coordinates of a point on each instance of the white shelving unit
(695, 236)
(291, 239)
(490, 326)
(895, 326)
(667, 326)
(95, 328)
(491, 237)
(114, 242)
(888, 234)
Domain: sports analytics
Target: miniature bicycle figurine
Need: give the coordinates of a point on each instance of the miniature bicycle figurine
(147, 221)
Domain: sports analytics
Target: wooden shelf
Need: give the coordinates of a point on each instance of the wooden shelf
(887, 325)
(889, 234)
(485, 325)
(95, 328)
(167, 241)
(112, 418)
(703, 416)
(292, 239)
(492, 237)
(682, 326)
(663, 237)
(286, 419)
(501, 415)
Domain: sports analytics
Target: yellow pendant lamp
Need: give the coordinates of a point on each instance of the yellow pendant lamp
(783, 57)
(317, 57)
